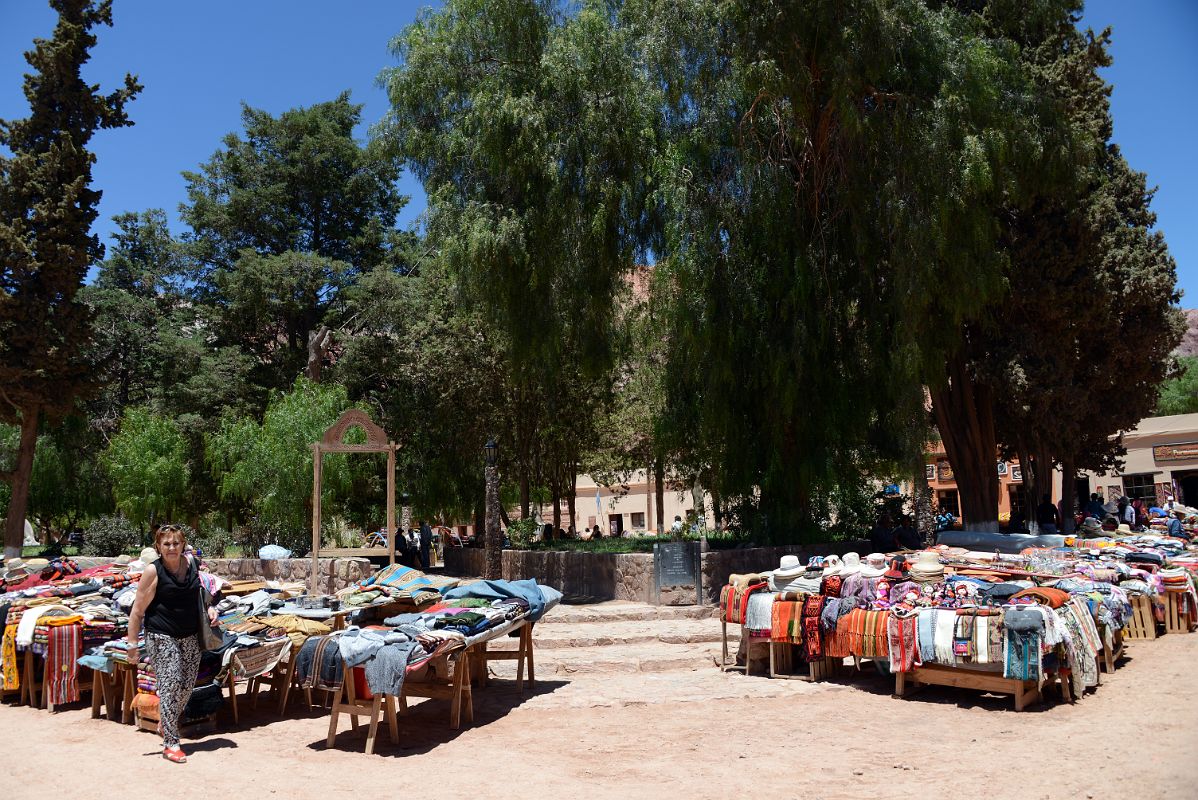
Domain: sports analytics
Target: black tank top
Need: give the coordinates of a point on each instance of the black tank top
(175, 609)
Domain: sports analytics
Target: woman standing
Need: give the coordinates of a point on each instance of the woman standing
(168, 599)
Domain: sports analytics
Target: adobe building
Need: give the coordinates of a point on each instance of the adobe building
(1162, 460)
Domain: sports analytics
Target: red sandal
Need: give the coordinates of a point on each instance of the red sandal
(174, 754)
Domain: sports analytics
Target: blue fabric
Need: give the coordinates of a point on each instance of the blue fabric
(96, 662)
(538, 597)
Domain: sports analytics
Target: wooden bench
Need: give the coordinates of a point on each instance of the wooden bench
(522, 655)
(1025, 692)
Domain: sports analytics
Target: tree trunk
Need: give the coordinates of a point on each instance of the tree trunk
(525, 503)
(494, 540)
(659, 491)
(717, 508)
(572, 496)
(1068, 491)
(922, 501)
(319, 342)
(18, 504)
(964, 412)
(556, 499)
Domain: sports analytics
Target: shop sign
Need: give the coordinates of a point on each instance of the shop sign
(944, 470)
(931, 471)
(1002, 468)
(1183, 451)
(1016, 472)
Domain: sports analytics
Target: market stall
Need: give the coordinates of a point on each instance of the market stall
(1013, 623)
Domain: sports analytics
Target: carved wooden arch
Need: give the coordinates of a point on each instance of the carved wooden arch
(333, 441)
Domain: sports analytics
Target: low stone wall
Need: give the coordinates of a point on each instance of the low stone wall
(580, 577)
(592, 577)
(334, 574)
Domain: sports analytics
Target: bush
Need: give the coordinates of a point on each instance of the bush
(110, 536)
(214, 542)
(257, 533)
(521, 532)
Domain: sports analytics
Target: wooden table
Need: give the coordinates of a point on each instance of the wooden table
(1026, 692)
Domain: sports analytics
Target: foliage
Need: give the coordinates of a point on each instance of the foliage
(282, 221)
(1179, 394)
(47, 208)
(826, 172)
(109, 536)
(267, 468)
(214, 542)
(521, 532)
(147, 464)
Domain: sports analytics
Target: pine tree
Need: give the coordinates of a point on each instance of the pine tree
(47, 208)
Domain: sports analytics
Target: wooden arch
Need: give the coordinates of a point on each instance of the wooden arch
(333, 441)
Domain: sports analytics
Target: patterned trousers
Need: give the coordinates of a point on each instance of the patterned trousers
(175, 662)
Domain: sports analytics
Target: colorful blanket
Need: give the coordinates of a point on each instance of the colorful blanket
(63, 650)
(734, 601)
(901, 635)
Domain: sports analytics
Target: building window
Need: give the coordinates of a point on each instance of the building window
(1140, 486)
(948, 500)
(638, 519)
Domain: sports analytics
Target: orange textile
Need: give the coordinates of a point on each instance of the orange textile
(1053, 598)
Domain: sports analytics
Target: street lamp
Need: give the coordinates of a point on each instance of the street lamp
(494, 537)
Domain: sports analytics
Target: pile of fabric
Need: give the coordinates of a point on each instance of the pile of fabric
(390, 652)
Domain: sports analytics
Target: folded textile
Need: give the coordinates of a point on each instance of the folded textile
(1053, 598)
(61, 683)
(786, 621)
(901, 633)
(540, 598)
(318, 664)
(759, 614)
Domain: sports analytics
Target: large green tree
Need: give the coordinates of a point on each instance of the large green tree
(147, 464)
(531, 127)
(1179, 394)
(281, 220)
(827, 177)
(47, 207)
(1065, 360)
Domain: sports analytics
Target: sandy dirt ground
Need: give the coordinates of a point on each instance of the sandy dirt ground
(698, 734)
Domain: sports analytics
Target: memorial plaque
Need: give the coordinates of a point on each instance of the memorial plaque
(676, 573)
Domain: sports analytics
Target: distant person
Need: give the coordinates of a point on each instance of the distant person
(1141, 512)
(676, 528)
(906, 536)
(881, 536)
(426, 544)
(1094, 507)
(1047, 516)
(571, 533)
(1127, 512)
(596, 533)
(1173, 526)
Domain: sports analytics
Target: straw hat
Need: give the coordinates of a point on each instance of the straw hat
(1092, 526)
(123, 560)
(789, 567)
(148, 556)
(1124, 529)
(927, 566)
(851, 565)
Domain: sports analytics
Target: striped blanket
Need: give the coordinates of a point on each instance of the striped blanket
(786, 621)
(901, 635)
(861, 633)
(734, 601)
(63, 650)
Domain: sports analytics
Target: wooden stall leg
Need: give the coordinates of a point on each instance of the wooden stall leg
(392, 722)
(460, 670)
(328, 742)
(352, 694)
(375, 707)
(97, 692)
(233, 698)
(532, 674)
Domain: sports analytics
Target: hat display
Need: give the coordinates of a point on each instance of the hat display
(1124, 529)
(789, 567)
(874, 566)
(927, 567)
(833, 565)
(123, 560)
(851, 564)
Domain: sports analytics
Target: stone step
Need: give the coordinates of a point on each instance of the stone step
(616, 611)
(644, 657)
(621, 633)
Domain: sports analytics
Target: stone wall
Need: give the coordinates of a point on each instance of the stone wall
(335, 573)
(580, 577)
(593, 577)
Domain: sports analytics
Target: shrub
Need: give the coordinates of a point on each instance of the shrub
(213, 542)
(257, 533)
(110, 536)
(521, 532)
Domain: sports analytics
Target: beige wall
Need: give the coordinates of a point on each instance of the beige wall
(1168, 472)
(633, 502)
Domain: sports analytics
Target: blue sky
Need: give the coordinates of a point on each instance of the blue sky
(200, 60)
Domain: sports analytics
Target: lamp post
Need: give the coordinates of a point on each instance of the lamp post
(494, 540)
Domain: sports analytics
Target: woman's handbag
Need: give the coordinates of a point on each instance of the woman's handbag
(210, 635)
